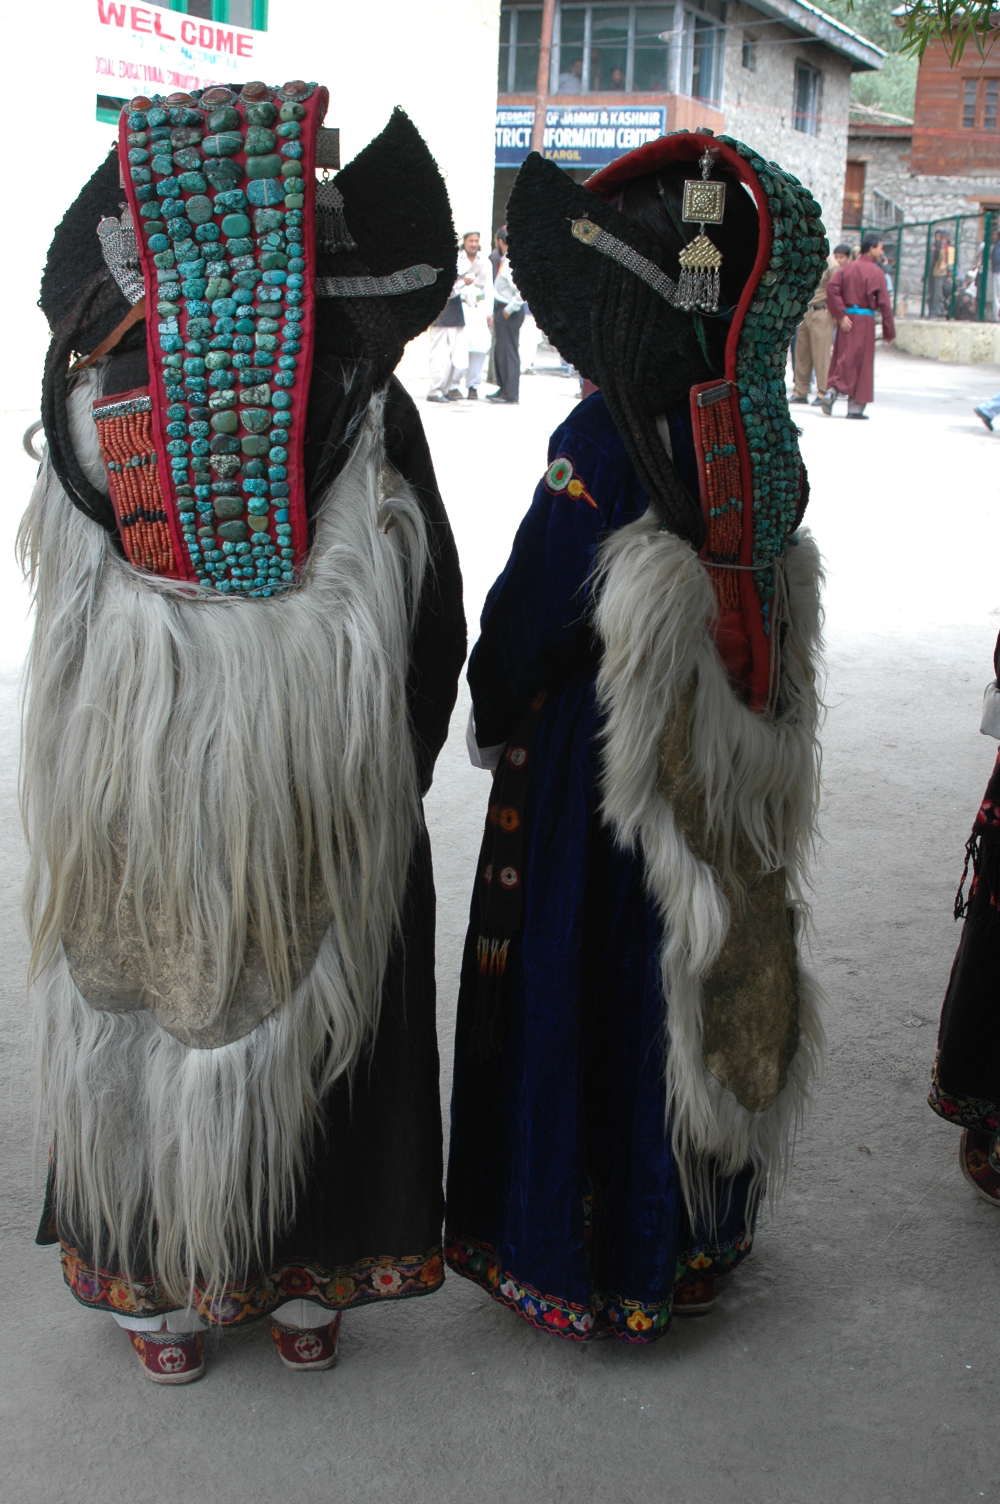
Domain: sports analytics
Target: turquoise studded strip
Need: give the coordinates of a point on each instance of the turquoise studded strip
(222, 190)
(799, 252)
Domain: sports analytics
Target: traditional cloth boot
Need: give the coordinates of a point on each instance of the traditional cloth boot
(979, 1160)
(307, 1349)
(694, 1296)
(170, 1357)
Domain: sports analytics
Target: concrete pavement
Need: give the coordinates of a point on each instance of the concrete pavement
(852, 1359)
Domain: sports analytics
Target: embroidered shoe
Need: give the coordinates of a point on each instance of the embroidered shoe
(170, 1357)
(307, 1349)
(694, 1295)
(977, 1156)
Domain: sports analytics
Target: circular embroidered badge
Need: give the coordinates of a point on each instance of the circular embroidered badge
(509, 877)
(509, 819)
(517, 756)
(559, 474)
(574, 488)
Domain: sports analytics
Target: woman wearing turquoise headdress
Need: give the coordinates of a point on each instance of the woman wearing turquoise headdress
(636, 1034)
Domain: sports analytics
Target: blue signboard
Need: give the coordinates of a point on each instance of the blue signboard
(578, 136)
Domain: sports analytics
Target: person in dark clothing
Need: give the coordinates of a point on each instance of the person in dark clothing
(965, 1085)
(508, 316)
(248, 635)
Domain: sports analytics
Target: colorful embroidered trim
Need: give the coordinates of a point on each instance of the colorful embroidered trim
(386, 1278)
(965, 1112)
(231, 278)
(125, 434)
(559, 477)
(607, 1314)
(714, 425)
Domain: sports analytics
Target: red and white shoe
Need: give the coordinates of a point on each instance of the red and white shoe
(977, 1156)
(170, 1357)
(307, 1349)
(693, 1296)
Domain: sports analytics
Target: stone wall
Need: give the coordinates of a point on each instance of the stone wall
(758, 106)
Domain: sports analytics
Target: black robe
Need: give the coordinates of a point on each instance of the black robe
(369, 1215)
(966, 1079)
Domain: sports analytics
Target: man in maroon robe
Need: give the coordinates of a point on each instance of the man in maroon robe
(852, 296)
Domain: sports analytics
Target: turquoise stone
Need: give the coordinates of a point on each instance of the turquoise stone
(233, 200)
(228, 507)
(267, 342)
(192, 182)
(199, 209)
(168, 188)
(168, 310)
(258, 141)
(140, 174)
(257, 394)
(225, 119)
(185, 136)
(281, 399)
(233, 532)
(219, 401)
(263, 167)
(194, 287)
(290, 130)
(188, 159)
(255, 487)
(226, 144)
(222, 173)
(164, 259)
(236, 225)
(258, 524)
(275, 278)
(291, 169)
(254, 444)
(159, 243)
(254, 470)
(267, 326)
(207, 232)
(292, 149)
(273, 260)
(284, 378)
(264, 192)
(137, 121)
(217, 360)
(162, 165)
(239, 248)
(137, 156)
(225, 465)
(295, 200)
(218, 287)
(263, 358)
(256, 420)
(291, 112)
(261, 114)
(225, 422)
(151, 210)
(258, 506)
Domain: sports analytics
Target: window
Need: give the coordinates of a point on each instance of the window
(991, 90)
(805, 116)
(520, 40)
(749, 53)
(249, 13)
(970, 90)
(854, 195)
(606, 49)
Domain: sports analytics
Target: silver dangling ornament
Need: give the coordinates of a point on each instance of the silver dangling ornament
(701, 259)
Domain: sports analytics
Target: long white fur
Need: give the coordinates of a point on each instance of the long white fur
(214, 741)
(758, 775)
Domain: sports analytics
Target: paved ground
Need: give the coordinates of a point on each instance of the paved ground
(852, 1361)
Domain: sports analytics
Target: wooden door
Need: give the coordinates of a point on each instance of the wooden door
(854, 196)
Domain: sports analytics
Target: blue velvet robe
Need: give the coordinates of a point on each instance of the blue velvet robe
(563, 1195)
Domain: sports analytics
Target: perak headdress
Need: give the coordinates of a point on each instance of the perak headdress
(715, 335)
(215, 273)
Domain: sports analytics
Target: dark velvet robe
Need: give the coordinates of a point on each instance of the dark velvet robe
(859, 284)
(368, 1224)
(966, 1079)
(563, 1195)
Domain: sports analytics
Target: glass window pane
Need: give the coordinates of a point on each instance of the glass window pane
(609, 47)
(651, 67)
(806, 99)
(571, 52)
(529, 33)
(990, 107)
(241, 13)
(201, 8)
(703, 60)
(504, 52)
(969, 104)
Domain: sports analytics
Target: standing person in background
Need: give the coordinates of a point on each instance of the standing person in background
(853, 294)
(942, 271)
(815, 337)
(508, 316)
(449, 354)
(477, 308)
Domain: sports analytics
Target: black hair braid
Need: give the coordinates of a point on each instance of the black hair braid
(623, 319)
(55, 415)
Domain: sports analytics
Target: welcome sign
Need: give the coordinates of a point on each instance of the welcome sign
(146, 48)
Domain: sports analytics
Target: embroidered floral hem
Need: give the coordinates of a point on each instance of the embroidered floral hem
(965, 1112)
(607, 1314)
(384, 1278)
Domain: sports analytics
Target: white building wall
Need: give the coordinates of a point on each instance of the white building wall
(758, 106)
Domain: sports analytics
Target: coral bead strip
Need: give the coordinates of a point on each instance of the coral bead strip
(722, 487)
(125, 434)
(222, 187)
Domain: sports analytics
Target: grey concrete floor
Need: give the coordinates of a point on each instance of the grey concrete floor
(852, 1358)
